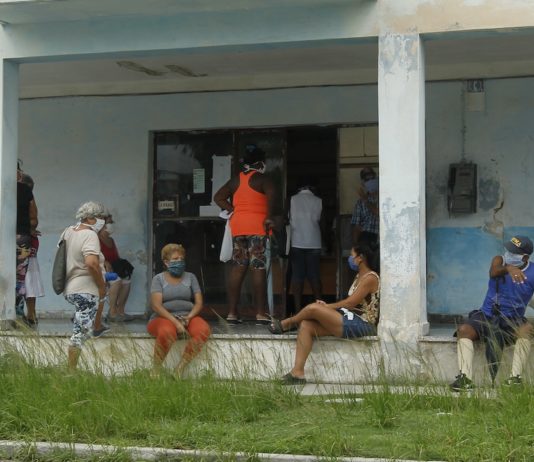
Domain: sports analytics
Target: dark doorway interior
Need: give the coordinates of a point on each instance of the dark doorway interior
(311, 158)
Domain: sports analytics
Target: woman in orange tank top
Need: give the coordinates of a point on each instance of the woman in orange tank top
(249, 196)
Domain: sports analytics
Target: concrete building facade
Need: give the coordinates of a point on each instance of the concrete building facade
(85, 84)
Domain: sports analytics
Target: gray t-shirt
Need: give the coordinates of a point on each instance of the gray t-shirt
(177, 298)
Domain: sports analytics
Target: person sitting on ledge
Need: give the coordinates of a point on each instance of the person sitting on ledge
(176, 302)
(501, 320)
(355, 316)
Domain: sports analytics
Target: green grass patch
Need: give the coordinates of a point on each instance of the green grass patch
(48, 404)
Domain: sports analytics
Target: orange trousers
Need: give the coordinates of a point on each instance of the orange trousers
(166, 334)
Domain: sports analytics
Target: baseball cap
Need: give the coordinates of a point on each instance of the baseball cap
(519, 245)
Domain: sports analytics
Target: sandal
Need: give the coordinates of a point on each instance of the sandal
(275, 327)
(233, 321)
(263, 321)
(290, 379)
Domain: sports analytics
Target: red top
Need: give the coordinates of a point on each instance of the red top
(250, 209)
(111, 254)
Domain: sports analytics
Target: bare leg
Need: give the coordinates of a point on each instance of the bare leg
(113, 294)
(74, 355)
(259, 283)
(297, 288)
(124, 292)
(329, 319)
(98, 317)
(30, 305)
(237, 274)
(308, 330)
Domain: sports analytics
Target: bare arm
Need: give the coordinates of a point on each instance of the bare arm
(156, 302)
(93, 266)
(223, 195)
(197, 307)
(499, 269)
(34, 221)
(366, 286)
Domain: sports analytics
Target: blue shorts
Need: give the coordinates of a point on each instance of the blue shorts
(305, 264)
(356, 327)
(487, 327)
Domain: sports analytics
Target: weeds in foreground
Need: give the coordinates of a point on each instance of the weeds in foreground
(47, 404)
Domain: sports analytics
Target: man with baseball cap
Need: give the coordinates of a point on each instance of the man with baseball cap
(501, 319)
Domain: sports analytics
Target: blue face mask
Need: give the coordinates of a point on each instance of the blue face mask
(513, 259)
(352, 264)
(176, 268)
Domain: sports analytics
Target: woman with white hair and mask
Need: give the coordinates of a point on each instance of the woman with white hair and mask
(85, 286)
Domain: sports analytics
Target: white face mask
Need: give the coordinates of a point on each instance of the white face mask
(513, 259)
(109, 228)
(97, 227)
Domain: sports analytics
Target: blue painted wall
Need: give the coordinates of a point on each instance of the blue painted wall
(500, 140)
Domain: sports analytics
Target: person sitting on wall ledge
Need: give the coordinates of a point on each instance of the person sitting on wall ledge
(176, 302)
(355, 316)
(501, 319)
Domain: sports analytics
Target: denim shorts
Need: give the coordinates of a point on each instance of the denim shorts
(356, 327)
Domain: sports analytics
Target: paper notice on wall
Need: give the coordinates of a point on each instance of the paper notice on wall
(199, 181)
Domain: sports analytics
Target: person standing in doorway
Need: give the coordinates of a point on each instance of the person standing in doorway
(304, 218)
(250, 198)
(365, 219)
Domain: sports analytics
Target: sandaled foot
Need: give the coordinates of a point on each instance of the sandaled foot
(290, 379)
(233, 320)
(262, 321)
(275, 327)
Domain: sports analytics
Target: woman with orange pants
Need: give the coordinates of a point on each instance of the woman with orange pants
(176, 302)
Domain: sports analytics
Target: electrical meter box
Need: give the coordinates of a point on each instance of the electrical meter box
(462, 188)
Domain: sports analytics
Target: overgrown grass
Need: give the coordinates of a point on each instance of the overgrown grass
(48, 404)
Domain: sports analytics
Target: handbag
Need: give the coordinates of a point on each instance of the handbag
(226, 244)
(59, 269)
(123, 268)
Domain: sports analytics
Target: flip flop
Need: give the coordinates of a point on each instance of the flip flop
(290, 379)
(275, 327)
(233, 321)
(263, 321)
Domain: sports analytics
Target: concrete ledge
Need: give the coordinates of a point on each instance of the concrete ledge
(264, 357)
(10, 448)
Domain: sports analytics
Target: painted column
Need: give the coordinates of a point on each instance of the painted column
(401, 115)
(9, 101)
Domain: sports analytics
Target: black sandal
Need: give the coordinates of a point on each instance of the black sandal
(275, 327)
(290, 379)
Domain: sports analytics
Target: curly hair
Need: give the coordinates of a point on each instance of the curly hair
(91, 210)
(169, 249)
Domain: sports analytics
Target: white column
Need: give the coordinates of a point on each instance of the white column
(9, 101)
(401, 115)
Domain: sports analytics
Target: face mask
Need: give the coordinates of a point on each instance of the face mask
(176, 268)
(109, 228)
(97, 227)
(513, 259)
(352, 264)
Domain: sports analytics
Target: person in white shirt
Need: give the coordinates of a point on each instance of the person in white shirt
(304, 218)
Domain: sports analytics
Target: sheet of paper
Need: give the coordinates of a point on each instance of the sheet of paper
(199, 181)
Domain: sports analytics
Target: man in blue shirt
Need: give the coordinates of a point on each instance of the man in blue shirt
(501, 319)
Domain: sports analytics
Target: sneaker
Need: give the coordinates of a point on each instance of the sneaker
(99, 332)
(514, 380)
(462, 383)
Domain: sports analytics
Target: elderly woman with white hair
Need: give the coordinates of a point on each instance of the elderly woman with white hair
(85, 286)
